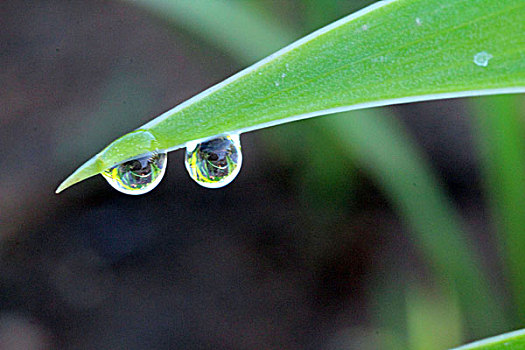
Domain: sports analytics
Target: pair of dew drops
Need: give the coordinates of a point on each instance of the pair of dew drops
(212, 164)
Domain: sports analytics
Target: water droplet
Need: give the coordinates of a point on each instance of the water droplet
(418, 21)
(214, 163)
(283, 75)
(137, 176)
(482, 58)
(277, 83)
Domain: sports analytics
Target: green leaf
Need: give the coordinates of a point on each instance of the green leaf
(433, 317)
(391, 157)
(500, 134)
(390, 52)
(508, 341)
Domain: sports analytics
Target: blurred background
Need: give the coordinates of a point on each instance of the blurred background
(390, 228)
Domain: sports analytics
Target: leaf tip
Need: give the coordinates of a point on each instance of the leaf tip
(90, 168)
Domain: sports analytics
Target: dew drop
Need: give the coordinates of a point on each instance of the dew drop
(482, 58)
(137, 176)
(418, 21)
(216, 162)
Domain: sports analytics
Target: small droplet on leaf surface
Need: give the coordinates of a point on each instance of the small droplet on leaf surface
(216, 162)
(482, 58)
(137, 176)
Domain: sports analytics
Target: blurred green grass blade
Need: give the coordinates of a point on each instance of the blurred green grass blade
(500, 134)
(319, 13)
(228, 24)
(381, 146)
(386, 293)
(508, 341)
(391, 52)
(434, 318)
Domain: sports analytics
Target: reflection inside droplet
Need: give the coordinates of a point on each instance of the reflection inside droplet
(216, 162)
(137, 176)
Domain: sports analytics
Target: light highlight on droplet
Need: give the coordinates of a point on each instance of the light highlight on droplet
(216, 162)
(137, 176)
